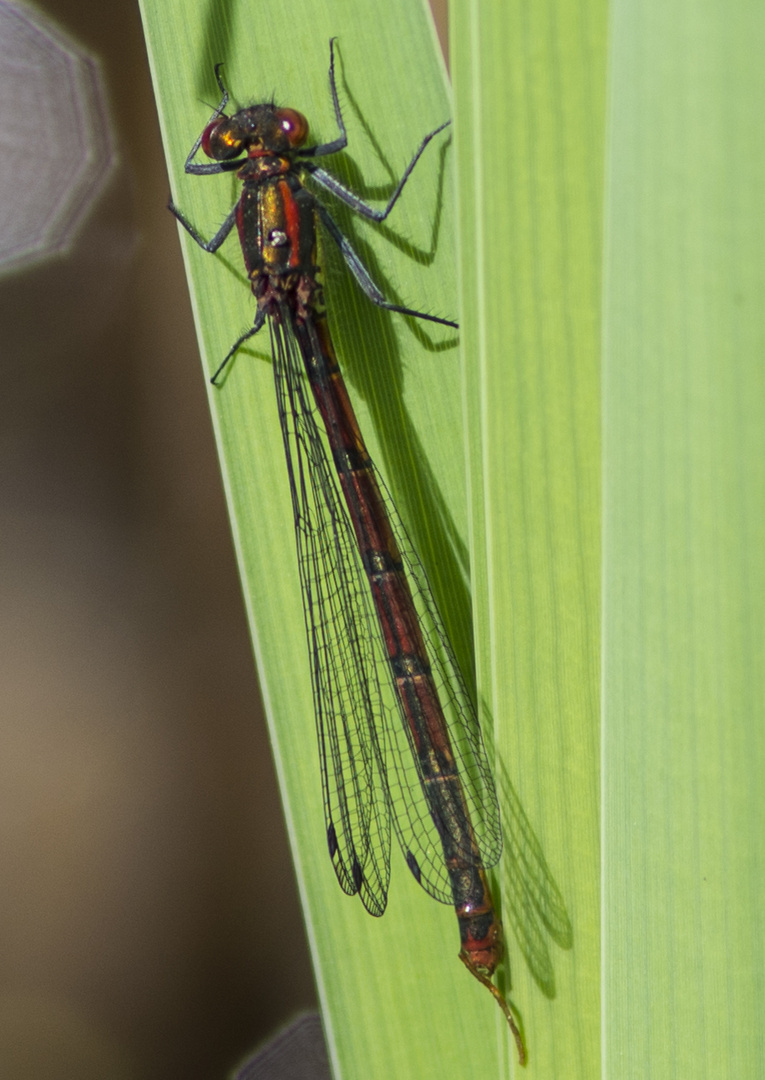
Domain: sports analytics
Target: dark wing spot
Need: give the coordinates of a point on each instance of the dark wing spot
(414, 866)
(358, 875)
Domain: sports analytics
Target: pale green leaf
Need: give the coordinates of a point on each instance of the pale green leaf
(684, 536)
(661, 342)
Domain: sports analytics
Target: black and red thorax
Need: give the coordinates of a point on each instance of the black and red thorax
(276, 220)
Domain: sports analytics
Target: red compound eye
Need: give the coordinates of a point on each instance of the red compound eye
(221, 140)
(294, 125)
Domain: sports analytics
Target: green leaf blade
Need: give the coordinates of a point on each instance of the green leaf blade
(684, 491)
(395, 999)
(530, 121)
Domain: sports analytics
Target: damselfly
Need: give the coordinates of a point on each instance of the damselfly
(370, 616)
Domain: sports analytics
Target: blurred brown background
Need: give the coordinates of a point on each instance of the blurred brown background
(149, 921)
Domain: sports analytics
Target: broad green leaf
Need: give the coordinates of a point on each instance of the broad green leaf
(395, 999)
(683, 539)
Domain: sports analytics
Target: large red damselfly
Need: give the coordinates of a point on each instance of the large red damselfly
(369, 612)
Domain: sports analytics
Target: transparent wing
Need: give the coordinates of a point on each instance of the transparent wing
(425, 829)
(342, 641)
(371, 771)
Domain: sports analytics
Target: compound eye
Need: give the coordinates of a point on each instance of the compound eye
(222, 140)
(294, 125)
